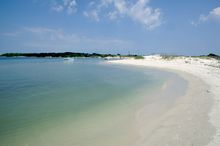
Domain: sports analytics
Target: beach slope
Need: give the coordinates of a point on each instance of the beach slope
(194, 120)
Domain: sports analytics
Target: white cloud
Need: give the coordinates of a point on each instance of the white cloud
(71, 6)
(55, 38)
(213, 15)
(65, 5)
(92, 14)
(38, 30)
(57, 8)
(194, 23)
(146, 15)
(113, 15)
(121, 6)
(10, 34)
(48, 33)
(138, 11)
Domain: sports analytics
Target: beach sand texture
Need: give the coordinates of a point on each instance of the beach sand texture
(194, 118)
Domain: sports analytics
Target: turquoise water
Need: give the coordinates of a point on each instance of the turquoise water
(85, 102)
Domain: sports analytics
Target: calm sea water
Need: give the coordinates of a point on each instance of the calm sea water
(85, 102)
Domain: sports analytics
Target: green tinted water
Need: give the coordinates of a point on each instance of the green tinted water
(52, 102)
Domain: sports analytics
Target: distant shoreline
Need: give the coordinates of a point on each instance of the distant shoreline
(98, 55)
(71, 54)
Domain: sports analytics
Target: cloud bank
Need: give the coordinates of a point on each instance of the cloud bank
(65, 5)
(138, 11)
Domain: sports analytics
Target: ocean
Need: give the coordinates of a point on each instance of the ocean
(80, 102)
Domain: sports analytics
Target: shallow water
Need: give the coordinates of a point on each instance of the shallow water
(85, 102)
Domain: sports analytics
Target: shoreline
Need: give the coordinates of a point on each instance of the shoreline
(195, 71)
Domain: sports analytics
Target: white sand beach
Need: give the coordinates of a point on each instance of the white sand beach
(195, 118)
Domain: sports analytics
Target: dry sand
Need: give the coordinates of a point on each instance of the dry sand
(194, 119)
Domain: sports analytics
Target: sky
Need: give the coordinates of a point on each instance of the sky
(186, 27)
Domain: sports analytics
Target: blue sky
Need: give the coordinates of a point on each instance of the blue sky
(187, 27)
